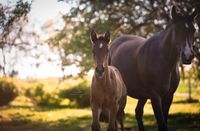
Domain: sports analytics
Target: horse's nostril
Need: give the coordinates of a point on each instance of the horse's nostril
(188, 59)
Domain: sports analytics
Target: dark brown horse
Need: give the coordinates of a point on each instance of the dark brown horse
(149, 68)
(108, 91)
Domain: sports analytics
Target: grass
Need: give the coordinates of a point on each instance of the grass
(22, 115)
(183, 86)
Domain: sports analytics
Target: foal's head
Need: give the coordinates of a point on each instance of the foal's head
(184, 30)
(100, 48)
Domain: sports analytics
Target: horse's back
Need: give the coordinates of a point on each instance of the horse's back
(123, 57)
(123, 39)
(126, 44)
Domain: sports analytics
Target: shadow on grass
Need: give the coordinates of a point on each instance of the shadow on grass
(186, 101)
(177, 122)
(41, 108)
(19, 123)
(185, 122)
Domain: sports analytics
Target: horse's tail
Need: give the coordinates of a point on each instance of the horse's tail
(104, 116)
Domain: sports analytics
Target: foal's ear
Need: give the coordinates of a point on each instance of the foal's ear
(107, 37)
(194, 14)
(93, 36)
(174, 14)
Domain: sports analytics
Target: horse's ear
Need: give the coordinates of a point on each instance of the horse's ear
(192, 16)
(107, 37)
(93, 36)
(174, 14)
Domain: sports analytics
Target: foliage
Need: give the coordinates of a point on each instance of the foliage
(197, 53)
(138, 17)
(78, 94)
(12, 20)
(8, 92)
(9, 15)
(41, 97)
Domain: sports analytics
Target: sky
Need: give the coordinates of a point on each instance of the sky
(41, 12)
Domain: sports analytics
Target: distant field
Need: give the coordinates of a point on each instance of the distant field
(22, 115)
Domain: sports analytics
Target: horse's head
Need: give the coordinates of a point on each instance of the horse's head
(184, 28)
(100, 48)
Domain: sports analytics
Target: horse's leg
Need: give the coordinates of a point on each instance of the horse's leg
(168, 98)
(139, 113)
(120, 118)
(112, 126)
(157, 108)
(95, 118)
(166, 103)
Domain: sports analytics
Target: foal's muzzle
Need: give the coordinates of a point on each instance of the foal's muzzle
(99, 70)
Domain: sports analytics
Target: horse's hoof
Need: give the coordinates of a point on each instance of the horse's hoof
(111, 129)
(96, 128)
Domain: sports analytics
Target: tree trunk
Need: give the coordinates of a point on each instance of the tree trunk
(4, 63)
(189, 89)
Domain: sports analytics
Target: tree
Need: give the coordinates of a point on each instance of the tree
(12, 19)
(139, 17)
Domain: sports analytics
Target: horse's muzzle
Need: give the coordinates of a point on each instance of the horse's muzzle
(185, 60)
(99, 70)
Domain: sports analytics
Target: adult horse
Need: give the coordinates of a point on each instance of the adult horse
(149, 67)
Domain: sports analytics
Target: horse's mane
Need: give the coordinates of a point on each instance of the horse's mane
(160, 34)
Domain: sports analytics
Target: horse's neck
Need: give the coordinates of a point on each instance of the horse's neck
(169, 46)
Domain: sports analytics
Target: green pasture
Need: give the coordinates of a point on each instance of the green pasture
(23, 115)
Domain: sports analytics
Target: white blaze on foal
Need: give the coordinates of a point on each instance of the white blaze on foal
(100, 45)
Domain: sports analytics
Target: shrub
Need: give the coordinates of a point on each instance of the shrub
(41, 97)
(78, 95)
(8, 92)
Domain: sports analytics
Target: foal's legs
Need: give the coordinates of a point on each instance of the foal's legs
(139, 113)
(112, 126)
(121, 113)
(95, 121)
(157, 108)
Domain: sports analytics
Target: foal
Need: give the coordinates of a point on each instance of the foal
(108, 91)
